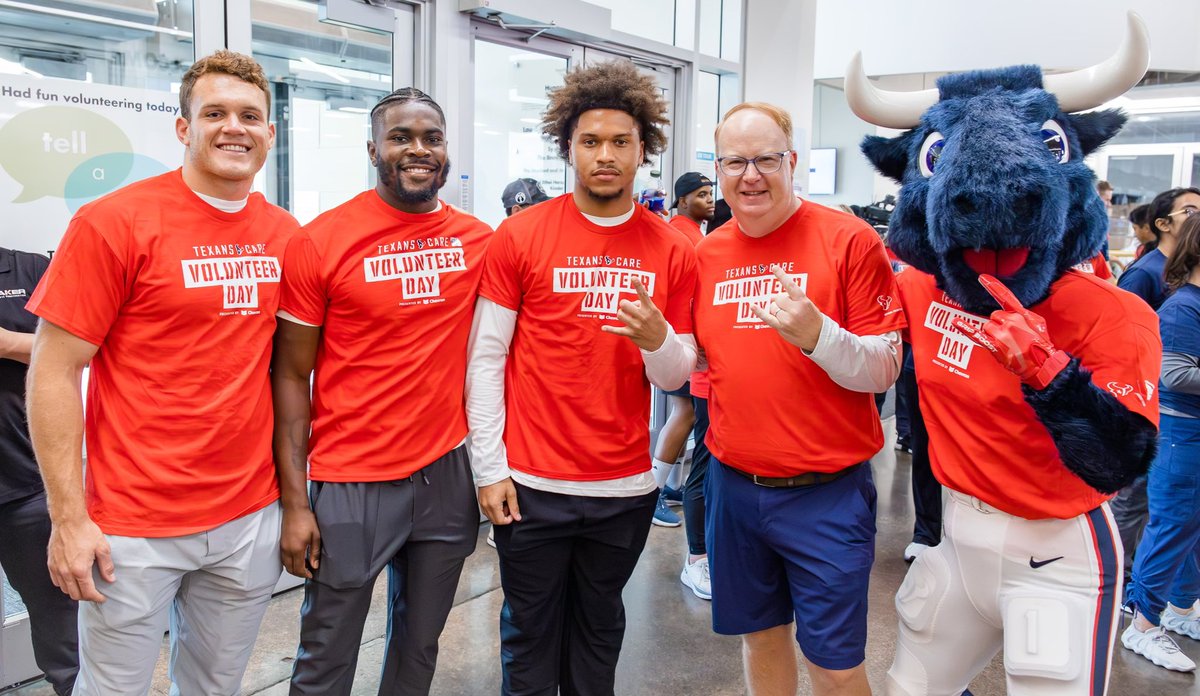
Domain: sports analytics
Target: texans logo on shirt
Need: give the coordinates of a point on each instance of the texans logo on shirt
(419, 272)
(750, 291)
(884, 301)
(1119, 389)
(237, 276)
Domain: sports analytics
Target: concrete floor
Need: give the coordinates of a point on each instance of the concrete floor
(669, 645)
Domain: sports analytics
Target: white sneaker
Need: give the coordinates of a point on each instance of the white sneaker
(1158, 647)
(913, 550)
(491, 540)
(695, 576)
(1183, 624)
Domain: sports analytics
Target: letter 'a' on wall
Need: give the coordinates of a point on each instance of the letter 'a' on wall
(88, 101)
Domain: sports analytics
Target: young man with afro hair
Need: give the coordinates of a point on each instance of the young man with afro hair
(585, 301)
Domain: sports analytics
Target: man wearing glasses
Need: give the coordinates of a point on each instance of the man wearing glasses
(799, 315)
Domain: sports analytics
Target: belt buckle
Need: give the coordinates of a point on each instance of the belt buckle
(754, 478)
(980, 505)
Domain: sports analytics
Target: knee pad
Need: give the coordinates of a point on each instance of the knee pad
(921, 594)
(1045, 636)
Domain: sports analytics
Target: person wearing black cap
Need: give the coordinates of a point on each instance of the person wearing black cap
(522, 193)
(694, 203)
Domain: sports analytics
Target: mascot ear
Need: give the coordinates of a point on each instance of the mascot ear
(889, 155)
(1095, 128)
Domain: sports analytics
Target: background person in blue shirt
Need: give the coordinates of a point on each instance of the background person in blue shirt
(1168, 210)
(1166, 577)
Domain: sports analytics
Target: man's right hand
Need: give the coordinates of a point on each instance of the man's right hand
(73, 548)
(299, 539)
(499, 502)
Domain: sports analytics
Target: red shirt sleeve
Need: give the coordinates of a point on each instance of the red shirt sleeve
(1125, 361)
(678, 312)
(872, 298)
(303, 292)
(86, 284)
(501, 282)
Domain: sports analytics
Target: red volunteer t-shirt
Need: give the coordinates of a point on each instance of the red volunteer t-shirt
(394, 294)
(773, 411)
(181, 300)
(984, 439)
(689, 227)
(578, 402)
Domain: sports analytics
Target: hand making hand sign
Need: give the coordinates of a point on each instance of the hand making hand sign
(1017, 338)
(644, 324)
(792, 314)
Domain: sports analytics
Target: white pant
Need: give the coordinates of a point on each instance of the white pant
(212, 588)
(1047, 591)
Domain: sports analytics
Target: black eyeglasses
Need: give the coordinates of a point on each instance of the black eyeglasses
(768, 163)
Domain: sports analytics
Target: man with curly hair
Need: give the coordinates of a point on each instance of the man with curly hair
(585, 301)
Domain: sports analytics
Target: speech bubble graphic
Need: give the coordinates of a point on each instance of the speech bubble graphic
(100, 175)
(41, 147)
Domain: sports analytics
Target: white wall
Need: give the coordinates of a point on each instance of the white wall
(920, 36)
(778, 65)
(834, 125)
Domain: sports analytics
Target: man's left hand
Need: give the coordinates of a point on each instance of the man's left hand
(792, 314)
(1017, 338)
(643, 323)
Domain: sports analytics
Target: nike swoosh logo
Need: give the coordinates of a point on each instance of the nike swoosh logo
(1039, 564)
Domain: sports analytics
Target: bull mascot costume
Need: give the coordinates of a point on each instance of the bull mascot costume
(1037, 381)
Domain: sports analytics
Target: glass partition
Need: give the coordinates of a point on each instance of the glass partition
(325, 78)
(510, 96)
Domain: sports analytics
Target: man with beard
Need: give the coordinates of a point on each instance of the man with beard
(378, 296)
(558, 385)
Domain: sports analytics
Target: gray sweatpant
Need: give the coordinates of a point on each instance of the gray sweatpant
(212, 588)
(421, 529)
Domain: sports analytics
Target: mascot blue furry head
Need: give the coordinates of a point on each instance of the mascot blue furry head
(991, 170)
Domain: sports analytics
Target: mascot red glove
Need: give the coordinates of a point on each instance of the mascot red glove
(1017, 338)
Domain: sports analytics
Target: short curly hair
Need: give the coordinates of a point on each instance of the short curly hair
(613, 85)
(222, 62)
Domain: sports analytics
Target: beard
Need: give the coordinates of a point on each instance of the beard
(393, 181)
(604, 196)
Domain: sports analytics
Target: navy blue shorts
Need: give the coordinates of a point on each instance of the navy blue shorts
(778, 554)
(685, 391)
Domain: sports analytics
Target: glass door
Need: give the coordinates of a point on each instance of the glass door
(325, 79)
(512, 78)
(1137, 174)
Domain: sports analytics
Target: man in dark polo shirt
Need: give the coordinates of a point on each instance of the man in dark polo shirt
(23, 515)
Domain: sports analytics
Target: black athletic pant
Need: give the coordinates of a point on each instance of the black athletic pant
(927, 492)
(25, 526)
(420, 529)
(563, 567)
(693, 488)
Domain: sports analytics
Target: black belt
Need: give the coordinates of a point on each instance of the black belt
(812, 478)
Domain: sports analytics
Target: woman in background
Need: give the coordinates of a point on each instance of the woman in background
(1166, 576)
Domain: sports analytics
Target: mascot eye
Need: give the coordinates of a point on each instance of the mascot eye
(931, 152)
(1056, 141)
